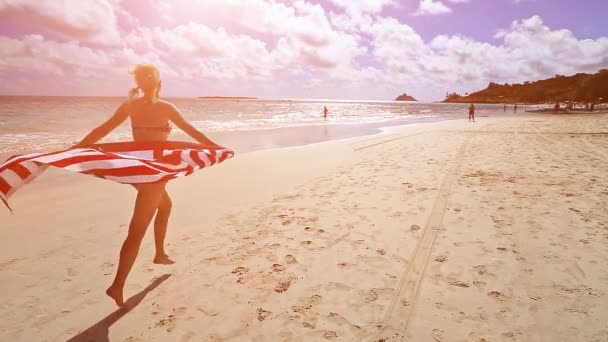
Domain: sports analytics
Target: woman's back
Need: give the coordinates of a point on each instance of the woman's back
(150, 119)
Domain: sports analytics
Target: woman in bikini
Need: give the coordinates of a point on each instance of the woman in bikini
(150, 121)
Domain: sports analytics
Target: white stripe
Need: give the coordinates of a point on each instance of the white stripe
(11, 178)
(34, 168)
(185, 156)
(22, 157)
(145, 154)
(204, 156)
(103, 164)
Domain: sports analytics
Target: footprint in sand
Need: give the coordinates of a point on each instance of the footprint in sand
(169, 322)
(459, 283)
(498, 295)
(308, 304)
(481, 269)
(441, 258)
(290, 259)
(263, 314)
(283, 285)
(370, 296)
(329, 334)
(437, 335)
(240, 272)
(278, 268)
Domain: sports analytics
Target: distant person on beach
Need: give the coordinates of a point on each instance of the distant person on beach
(325, 112)
(592, 108)
(556, 108)
(472, 112)
(505, 109)
(150, 121)
(515, 108)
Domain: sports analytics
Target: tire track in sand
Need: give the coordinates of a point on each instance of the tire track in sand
(394, 325)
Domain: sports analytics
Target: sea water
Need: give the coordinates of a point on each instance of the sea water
(29, 123)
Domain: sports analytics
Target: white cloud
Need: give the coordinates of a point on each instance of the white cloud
(432, 7)
(93, 21)
(529, 50)
(281, 46)
(364, 6)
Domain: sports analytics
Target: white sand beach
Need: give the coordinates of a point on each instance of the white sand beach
(454, 231)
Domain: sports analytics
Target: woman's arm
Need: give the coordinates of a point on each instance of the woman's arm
(102, 130)
(176, 117)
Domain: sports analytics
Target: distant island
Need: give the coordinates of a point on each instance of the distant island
(405, 97)
(228, 97)
(578, 88)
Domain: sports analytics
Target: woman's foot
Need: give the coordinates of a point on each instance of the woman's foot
(163, 260)
(115, 294)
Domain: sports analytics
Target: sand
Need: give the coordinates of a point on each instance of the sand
(455, 231)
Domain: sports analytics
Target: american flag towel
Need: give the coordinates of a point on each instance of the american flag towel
(124, 162)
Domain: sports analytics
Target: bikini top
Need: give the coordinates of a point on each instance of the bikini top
(166, 128)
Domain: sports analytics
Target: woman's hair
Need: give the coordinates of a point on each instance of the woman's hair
(151, 89)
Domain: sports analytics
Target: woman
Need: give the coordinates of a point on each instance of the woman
(150, 121)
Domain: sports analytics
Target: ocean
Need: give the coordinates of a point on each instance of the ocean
(29, 123)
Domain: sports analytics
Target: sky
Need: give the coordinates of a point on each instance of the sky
(322, 49)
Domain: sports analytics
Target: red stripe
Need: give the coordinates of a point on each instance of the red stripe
(25, 157)
(20, 170)
(157, 153)
(4, 186)
(81, 159)
(225, 155)
(197, 159)
(212, 156)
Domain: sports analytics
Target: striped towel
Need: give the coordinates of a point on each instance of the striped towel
(125, 162)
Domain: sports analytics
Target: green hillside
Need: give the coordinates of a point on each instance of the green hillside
(579, 88)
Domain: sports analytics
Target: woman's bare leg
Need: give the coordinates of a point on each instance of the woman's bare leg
(148, 198)
(160, 230)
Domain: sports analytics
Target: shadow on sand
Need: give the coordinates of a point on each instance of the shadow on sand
(99, 331)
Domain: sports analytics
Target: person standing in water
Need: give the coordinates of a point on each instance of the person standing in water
(472, 112)
(505, 109)
(150, 121)
(325, 112)
(515, 108)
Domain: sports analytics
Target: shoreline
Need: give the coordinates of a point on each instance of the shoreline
(250, 140)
